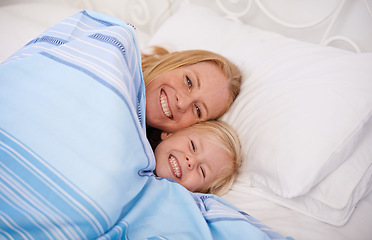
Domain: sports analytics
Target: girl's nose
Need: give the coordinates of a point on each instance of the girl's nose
(190, 163)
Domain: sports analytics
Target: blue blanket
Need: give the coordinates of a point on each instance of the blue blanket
(74, 159)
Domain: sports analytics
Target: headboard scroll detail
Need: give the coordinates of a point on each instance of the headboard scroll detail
(345, 24)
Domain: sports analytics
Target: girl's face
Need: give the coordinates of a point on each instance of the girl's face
(186, 95)
(191, 158)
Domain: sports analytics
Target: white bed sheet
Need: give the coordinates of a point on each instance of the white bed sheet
(301, 227)
(21, 22)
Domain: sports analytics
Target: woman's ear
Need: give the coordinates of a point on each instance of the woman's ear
(165, 135)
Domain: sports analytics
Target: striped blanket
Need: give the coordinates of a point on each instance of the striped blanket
(74, 159)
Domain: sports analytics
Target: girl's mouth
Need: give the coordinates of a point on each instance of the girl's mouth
(175, 166)
(165, 105)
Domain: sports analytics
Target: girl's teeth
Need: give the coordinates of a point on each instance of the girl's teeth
(174, 164)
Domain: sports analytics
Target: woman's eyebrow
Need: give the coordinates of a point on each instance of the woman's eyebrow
(206, 109)
(198, 83)
(196, 74)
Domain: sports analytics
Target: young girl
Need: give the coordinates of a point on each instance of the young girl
(203, 158)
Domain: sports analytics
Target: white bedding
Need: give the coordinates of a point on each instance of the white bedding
(303, 114)
(300, 226)
(22, 21)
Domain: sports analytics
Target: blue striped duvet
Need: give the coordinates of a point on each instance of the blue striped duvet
(74, 159)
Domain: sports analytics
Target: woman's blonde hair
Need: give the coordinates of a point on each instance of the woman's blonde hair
(224, 136)
(161, 61)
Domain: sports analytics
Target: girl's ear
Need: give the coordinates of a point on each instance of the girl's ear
(165, 135)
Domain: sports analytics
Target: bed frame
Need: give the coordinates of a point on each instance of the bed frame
(339, 23)
(329, 22)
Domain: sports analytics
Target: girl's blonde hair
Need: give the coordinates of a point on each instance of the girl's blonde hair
(161, 61)
(224, 136)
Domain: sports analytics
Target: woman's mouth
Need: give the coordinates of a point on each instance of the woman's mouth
(175, 166)
(165, 105)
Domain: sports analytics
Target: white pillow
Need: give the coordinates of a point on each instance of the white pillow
(302, 110)
(334, 198)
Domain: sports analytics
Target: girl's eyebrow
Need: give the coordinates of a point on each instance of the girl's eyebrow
(199, 142)
(206, 165)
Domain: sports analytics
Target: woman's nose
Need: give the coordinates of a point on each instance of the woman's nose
(183, 102)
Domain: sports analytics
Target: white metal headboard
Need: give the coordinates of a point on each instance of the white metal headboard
(345, 24)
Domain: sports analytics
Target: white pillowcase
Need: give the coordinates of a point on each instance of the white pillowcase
(334, 198)
(301, 113)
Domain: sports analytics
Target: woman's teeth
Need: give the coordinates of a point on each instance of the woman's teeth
(175, 167)
(164, 105)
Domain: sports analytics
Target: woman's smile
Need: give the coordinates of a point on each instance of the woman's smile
(165, 105)
(186, 95)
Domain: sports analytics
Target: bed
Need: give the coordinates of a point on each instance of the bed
(303, 115)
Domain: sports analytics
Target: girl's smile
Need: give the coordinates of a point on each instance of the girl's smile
(192, 158)
(175, 167)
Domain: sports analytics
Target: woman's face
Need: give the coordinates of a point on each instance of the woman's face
(186, 95)
(191, 158)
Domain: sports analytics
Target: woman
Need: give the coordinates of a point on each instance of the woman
(186, 87)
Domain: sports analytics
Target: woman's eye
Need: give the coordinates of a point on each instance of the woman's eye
(189, 83)
(198, 112)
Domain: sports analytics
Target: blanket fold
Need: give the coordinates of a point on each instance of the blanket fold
(74, 159)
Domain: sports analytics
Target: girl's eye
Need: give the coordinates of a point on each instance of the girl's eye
(193, 146)
(198, 113)
(189, 83)
(203, 172)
